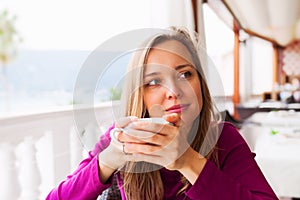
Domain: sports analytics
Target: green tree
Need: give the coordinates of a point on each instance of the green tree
(115, 94)
(9, 39)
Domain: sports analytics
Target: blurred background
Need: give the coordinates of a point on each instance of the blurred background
(50, 40)
(253, 44)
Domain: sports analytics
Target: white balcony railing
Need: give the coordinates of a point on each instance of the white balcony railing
(37, 151)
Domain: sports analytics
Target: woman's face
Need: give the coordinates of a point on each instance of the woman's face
(171, 83)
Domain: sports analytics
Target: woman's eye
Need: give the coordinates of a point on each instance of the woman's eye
(153, 82)
(185, 75)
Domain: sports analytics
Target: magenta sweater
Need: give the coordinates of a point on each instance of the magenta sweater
(238, 178)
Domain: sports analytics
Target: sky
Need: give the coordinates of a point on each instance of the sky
(80, 24)
(85, 24)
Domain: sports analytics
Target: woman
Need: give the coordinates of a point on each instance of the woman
(192, 157)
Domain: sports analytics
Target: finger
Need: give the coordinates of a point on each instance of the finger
(124, 121)
(143, 158)
(129, 138)
(173, 118)
(137, 133)
(137, 148)
(143, 137)
(154, 128)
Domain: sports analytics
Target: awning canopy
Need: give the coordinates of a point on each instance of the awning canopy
(275, 20)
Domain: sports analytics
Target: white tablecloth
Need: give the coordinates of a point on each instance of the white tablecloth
(277, 155)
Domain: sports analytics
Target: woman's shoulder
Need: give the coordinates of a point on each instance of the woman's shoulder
(229, 134)
(230, 138)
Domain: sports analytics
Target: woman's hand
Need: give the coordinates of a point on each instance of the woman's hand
(113, 157)
(164, 145)
(157, 143)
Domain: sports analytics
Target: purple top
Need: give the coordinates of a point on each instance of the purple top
(238, 178)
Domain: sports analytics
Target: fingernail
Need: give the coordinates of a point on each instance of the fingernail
(133, 118)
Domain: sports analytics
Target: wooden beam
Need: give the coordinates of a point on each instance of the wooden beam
(195, 14)
(236, 70)
(275, 64)
(273, 41)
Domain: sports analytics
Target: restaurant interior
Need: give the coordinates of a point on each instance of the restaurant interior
(271, 125)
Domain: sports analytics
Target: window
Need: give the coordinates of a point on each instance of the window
(219, 44)
(261, 64)
(255, 57)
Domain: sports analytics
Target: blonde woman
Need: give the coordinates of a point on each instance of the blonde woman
(190, 156)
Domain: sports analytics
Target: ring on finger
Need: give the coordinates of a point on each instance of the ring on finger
(124, 150)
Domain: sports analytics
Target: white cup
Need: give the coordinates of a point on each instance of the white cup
(157, 120)
(115, 131)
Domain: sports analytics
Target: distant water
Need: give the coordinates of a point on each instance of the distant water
(38, 80)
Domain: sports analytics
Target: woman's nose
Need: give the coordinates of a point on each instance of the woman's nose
(173, 91)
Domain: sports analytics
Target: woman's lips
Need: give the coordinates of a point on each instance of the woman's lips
(177, 108)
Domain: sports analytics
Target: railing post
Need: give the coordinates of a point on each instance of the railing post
(9, 185)
(76, 148)
(31, 177)
(90, 136)
(61, 153)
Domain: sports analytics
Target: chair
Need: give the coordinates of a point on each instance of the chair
(226, 116)
(111, 193)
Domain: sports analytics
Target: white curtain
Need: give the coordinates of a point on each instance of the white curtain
(165, 13)
(275, 19)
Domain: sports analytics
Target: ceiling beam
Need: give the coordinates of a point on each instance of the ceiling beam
(195, 14)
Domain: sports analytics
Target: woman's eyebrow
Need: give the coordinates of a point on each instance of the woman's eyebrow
(151, 74)
(176, 68)
(183, 66)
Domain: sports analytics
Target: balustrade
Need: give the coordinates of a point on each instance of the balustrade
(37, 151)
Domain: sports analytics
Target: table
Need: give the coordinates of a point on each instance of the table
(245, 111)
(275, 138)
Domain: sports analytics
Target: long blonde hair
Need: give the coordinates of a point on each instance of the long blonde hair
(148, 185)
